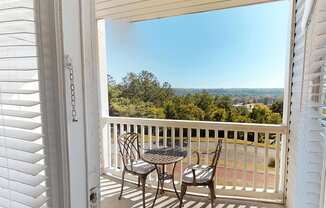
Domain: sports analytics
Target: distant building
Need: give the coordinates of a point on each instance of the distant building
(248, 106)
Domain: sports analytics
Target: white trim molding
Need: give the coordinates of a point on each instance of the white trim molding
(52, 90)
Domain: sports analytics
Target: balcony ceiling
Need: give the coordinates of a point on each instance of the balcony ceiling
(139, 10)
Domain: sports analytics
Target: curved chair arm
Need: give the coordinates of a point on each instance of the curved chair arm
(193, 176)
(201, 153)
(198, 157)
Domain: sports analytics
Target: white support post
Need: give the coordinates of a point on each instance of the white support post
(104, 100)
(78, 47)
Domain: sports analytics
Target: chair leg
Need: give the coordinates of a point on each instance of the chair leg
(138, 181)
(122, 183)
(211, 187)
(143, 183)
(183, 192)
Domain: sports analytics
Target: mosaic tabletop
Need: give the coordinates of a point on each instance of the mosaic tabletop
(165, 155)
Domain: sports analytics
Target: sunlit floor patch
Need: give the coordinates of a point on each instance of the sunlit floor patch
(132, 198)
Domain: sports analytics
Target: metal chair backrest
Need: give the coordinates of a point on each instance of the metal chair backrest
(216, 157)
(129, 148)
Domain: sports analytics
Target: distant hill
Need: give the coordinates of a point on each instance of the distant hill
(237, 92)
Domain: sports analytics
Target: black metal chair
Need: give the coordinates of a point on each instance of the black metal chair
(201, 175)
(129, 148)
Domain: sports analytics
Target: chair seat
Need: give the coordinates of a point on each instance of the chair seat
(140, 167)
(203, 174)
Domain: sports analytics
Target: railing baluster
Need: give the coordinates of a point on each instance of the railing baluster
(157, 134)
(181, 137)
(142, 133)
(122, 131)
(173, 136)
(235, 162)
(150, 128)
(266, 161)
(165, 135)
(217, 172)
(207, 145)
(115, 134)
(150, 133)
(277, 162)
(198, 139)
(225, 156)
(189, 146)
(245, 171)
(255, 160)
(108, 126)
(181, 146)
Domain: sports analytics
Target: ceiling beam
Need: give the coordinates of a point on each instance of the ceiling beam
(154, 9)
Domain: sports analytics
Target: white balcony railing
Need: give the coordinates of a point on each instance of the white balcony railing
(250, 164)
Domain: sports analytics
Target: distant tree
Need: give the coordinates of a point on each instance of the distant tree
(205, 102)
(259, 113)
(145, 87)
(170, 110)
(113, 92)
(223, 102)
(218, 114)
(124, 107)
(240, 114)
(274, 118)
(262, 114)
(190, 112)
(277, 106)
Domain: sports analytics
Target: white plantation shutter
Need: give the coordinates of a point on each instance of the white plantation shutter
(314, 77)
(305, 157)
(22, 158)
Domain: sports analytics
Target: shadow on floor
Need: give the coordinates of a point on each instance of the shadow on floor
(132, 198)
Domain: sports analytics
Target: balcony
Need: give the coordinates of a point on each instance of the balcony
(251, 165)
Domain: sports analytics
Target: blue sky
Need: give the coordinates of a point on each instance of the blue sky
(242, 47)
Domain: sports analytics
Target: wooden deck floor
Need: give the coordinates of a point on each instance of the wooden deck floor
(132, 198)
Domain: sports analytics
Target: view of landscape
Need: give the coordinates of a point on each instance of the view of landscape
(143, 95)
(216, 66)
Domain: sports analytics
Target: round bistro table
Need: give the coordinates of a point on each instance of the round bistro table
(162, 157)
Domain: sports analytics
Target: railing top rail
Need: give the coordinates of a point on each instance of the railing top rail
(199, 124)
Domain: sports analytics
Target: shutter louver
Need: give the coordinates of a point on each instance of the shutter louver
(22, 157)
(314, 96)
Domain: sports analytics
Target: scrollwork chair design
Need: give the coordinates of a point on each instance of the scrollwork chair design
(129, 148)
(201, 175)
